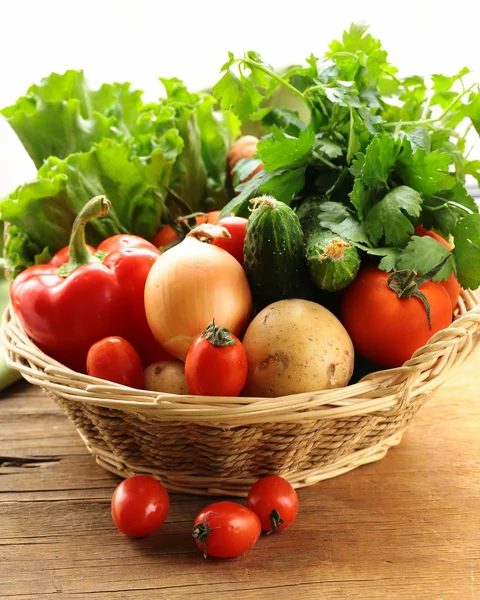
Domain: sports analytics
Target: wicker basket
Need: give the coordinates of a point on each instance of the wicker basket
(216, 446)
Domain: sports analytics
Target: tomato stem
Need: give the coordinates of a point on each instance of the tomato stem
(276, 521)
(220, 337)
(202, 532)
(406, 284)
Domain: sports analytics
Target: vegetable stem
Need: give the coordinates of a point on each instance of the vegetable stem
(260, 67)
(454, 102)
(79, 253)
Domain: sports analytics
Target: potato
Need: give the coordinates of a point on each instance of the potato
(296, 346)
(166, 376)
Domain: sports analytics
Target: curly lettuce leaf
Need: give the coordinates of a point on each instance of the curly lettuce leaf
(44, 210)
(21, 251)
(61, 115)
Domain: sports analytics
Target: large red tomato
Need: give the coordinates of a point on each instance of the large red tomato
(385, 328)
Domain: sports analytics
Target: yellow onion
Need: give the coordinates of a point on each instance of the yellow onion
(193, 283)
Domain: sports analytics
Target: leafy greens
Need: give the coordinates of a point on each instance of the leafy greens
(382, 152)
(107, 141)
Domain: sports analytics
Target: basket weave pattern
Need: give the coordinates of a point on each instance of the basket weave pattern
(207, 445)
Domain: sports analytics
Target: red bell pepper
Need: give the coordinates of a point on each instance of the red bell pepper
(82, 296)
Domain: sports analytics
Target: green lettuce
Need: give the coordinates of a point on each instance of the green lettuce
(108, 141)
(43, 210)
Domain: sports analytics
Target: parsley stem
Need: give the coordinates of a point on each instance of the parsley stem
(454, 102)
(448, 205)
(343, 53)
(427, 106)
(260, 67)
(436, 119)
(326, 162)
(393, 76)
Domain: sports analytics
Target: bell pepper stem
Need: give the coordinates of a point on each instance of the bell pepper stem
(79, 253)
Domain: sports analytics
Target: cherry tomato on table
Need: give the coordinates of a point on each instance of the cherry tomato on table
(216, 363)
(115, 359)
(385, 328)
(226, 529)
(140, 505)
(237, 227)
(451, 285)
(274, 501)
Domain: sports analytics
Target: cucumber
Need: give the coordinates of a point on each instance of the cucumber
(274, 253)
(333, 262)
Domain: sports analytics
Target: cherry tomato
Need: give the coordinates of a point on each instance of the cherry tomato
(115, 359)
(274, 501)
(216, 363)
(167, 235)
(237, 227)
(226, 529)
(451, 284)
(140, 505)
(386, 329)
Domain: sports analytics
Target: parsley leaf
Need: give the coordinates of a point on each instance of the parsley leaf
(327, 146)
(443, 209)
(422, 254)
(283, 184)
(371, 171)
(467, 251)
(389, 257)
(280, 151)
(283, 118)
(443, 83)
(387, 220)
(339, 219)
(420, 170)
(237, 94)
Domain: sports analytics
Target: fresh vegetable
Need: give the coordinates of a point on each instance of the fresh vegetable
(226, 529)
(143, 156)
(386, 152)
(166, 376)
(387, 318)
(451, 285)
(140, 505)
(274, 258)
(333, 262)
(216, 364)
(237, 227)
(190, 284)
(274, 501)
(66, 309)
(244, 147)
(115, 359)
(167, 235)
(296, 346)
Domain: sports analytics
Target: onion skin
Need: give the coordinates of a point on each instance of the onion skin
(190, 285)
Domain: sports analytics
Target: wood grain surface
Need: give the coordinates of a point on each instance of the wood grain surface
(407, 527)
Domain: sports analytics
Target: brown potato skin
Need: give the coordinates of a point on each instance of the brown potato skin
(166, 376)
(295, 346)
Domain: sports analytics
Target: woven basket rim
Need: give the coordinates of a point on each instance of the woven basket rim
(377, 391)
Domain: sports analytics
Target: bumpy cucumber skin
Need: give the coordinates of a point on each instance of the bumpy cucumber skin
(274, 255)
(331, 274)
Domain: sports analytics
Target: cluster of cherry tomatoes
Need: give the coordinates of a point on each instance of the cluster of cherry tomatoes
(140, 505)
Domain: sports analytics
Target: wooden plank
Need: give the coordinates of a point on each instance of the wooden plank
(404, 528)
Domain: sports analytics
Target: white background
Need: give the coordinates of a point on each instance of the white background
(139, 40)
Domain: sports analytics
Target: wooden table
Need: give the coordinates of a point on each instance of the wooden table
(407, 527)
